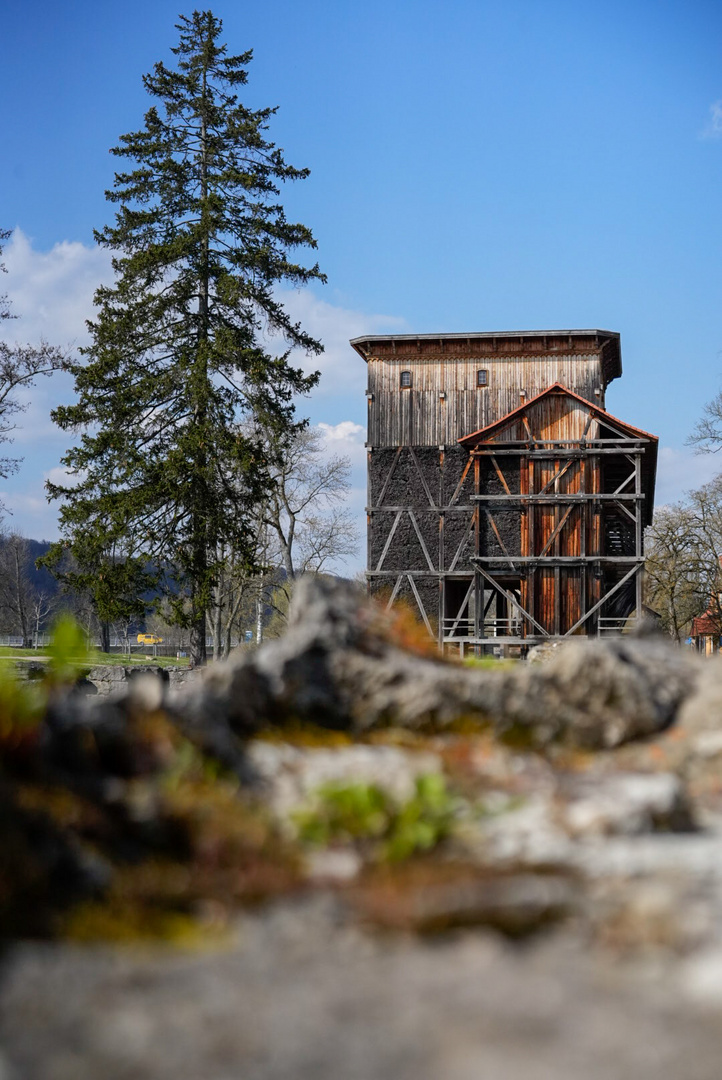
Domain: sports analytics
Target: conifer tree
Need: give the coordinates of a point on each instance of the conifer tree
(167, 471)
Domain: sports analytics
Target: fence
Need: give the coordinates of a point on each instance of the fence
(117, 645)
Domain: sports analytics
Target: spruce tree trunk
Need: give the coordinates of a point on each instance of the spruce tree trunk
(259, 612)
(104, 636)
(217, 632)
(198, 655)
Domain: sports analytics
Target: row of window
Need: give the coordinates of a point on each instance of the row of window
(406, 380)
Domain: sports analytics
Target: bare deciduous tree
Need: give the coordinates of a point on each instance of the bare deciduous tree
(305, 508)
(20, 366)
(17, 594)
(682, 567)
(707, 434)
(232, 599)
(671, 570)
(42, 607)
(302, 526)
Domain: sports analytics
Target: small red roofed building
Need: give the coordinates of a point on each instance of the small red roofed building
(705, 633)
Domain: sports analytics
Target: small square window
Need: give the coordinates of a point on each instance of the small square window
(405, 381)
(482, 377)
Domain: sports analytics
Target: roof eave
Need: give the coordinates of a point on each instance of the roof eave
(613, 363)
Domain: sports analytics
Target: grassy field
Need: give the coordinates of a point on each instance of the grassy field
(96, 658)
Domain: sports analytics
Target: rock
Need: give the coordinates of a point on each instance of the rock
(333, 865)
(598, 693)
(335, 667)
(528, 833)
(702, 709)
(296, 993)
(146, 692)
(115, 678)
(541, 654)
(708, 744)
(291, 775)
(627, 804)
(515, 903)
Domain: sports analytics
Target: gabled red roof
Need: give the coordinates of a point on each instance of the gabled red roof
(556, 388)
(703, 625)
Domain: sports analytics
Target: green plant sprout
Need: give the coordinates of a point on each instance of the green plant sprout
(364, 813)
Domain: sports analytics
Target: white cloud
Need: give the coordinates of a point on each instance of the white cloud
(346, 431)
(713, 127)
(52, 294)
(680, 470)
(346, 438)
(60, 475)
(52, 291)
(29, 513)
(342, 370)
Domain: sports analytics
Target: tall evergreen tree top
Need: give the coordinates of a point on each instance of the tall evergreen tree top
(206, 178)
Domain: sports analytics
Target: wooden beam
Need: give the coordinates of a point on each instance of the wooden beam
(462, 542)
(629, 480)
(460, 485)
(557, 476)
(638, 537)
(389, 538)
(603, 600)
(424, 616)
(496, 532)
(460, 612)
(421, 539)
(394, 509)
(624, 442)
(510, 598)
(551, 560)
(395, 592)
(500, 474)
(561, 497)
(390, 473)
(555, 452)
(557, 529)
(422, 478)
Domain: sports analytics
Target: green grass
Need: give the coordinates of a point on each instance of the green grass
(95, 658)
(137, 658)
(492, 663)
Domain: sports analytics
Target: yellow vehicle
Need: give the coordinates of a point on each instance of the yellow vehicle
(149, 639)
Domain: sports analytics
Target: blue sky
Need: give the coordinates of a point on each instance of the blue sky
(475, 166)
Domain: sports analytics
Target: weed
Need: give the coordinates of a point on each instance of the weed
(366, 814)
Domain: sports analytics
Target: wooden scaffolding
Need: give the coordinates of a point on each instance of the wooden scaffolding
(562, 494)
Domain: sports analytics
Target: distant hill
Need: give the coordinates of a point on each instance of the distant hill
(42, 579)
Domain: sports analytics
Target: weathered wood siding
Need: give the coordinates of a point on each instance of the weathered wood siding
(421, 416)
(558, 596)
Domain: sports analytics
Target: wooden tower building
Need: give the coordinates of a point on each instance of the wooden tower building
(503, 500)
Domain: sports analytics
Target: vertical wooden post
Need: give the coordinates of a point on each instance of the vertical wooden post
(556, 550)
(583, 525)
(526, 469)
(596, 538)
(442, 518)
(478, 580)
(369, 517)
(638, 538)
